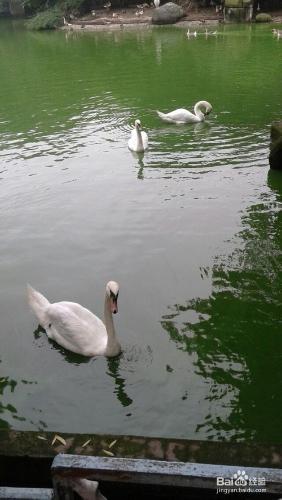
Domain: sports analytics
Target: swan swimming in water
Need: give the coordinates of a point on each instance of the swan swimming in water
(138, 141)
(188, 34)
(201, 109)
(76, 328)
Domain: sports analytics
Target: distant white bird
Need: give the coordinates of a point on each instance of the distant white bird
(87, 490)
(179, 116)
(93, 13)
(277, 33)
(65, 22)
(138, 141)
(194, 33)
(107, 5)
(210, 33)
(157, 3)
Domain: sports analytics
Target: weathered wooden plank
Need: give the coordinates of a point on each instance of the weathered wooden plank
(26, 493)
(155, 472)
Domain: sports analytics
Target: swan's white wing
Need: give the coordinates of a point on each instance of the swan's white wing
(144, 139)
(178, 116)
(76, 328)
(132, 143)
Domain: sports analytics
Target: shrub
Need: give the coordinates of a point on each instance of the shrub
(46, 20)
(263, 18)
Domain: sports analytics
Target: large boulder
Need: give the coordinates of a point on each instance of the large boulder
(275, 157)
(168, 13)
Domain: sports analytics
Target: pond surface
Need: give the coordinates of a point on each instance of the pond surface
(191, 231)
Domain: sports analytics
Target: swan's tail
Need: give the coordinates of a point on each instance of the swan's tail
(38, 304)
(164, 117)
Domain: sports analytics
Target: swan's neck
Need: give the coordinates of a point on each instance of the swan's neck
(139, 138)
(113, 346)
(198, 112)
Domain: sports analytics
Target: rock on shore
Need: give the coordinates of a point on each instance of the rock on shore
(168, 13)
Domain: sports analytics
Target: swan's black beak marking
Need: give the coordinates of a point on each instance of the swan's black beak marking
(114, 306)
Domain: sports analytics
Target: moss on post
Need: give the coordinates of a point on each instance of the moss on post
(275, 156)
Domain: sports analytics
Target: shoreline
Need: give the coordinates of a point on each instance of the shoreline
(107, 24)
(146, 23)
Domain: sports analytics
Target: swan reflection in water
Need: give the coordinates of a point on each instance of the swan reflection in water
(139, 157)
(120, 368)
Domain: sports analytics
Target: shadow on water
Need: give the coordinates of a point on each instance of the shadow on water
(6, 383)
(11, 385)
(123, 366)
(139, 157)
(236, 332)
(114, 372)
(114, 367)
(70, 357)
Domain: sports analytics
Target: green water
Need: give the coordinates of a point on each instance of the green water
(191, 231)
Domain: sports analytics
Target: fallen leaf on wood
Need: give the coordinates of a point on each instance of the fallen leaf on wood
(86, 443)
(112, 444)
(60, 439)
(109, 453)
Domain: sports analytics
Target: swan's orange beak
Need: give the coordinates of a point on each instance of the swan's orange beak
(114, 306)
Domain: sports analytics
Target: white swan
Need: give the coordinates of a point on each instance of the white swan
(76, 328)
(138, 141)
(87, 490)
(201, 109)
(276, 32)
